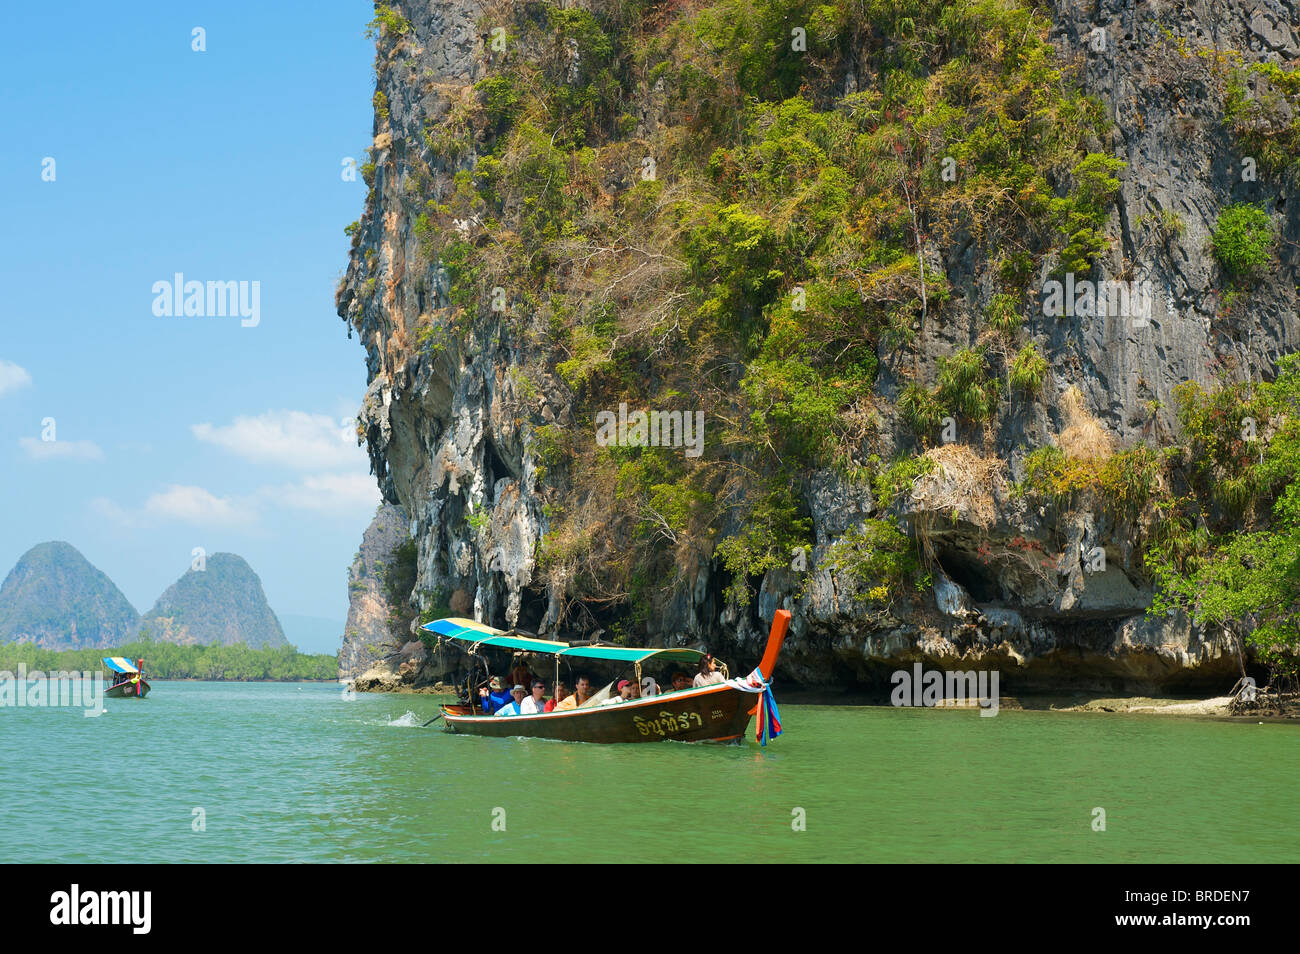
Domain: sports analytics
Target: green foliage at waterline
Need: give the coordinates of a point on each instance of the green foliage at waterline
(1243, 572)
(234, 663)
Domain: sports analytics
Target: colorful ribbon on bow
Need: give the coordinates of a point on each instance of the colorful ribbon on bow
(769, 717)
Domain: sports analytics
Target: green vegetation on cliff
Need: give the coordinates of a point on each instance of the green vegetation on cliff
(54, 597)
(750, 251)
(221, 603)
(1216, 513)
(1231, 552)
(781, 213)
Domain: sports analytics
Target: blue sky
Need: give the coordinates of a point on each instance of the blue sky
(172, 433)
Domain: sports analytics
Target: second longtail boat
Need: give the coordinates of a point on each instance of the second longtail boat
(127, 680)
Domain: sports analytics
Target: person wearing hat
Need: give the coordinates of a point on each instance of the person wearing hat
(534, 704)
(515, 707)
(626, 690)
(494, 697)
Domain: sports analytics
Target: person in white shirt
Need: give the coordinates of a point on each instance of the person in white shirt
(513, 708)
(708, 674)
(535, 704)
(626, 691)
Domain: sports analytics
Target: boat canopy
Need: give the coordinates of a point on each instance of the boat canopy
(118, 664)
(469, 631)
(628, 654)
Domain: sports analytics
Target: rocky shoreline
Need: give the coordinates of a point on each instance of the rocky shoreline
(1285, 708)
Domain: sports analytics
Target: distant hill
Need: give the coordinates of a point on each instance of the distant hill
(54, 597)
(223, 603)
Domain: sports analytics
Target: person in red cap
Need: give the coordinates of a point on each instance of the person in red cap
(626, 691)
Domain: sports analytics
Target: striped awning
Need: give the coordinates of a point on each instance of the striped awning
(470, 631)
(118, 664)
(629, 655)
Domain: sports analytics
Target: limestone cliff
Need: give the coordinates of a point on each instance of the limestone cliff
(368, 634)
(219, 602)
(482, 385)
(55, 598)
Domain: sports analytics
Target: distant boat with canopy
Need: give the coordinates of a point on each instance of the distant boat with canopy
(127, 679)
(719, 712)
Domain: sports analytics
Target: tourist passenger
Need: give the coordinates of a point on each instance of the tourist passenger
(561, 690)
(626, 687)
(580, 696)
(516, 707)
(708, 674)
(680, 681)
(535, 703)
(522, 674)
(494, 697)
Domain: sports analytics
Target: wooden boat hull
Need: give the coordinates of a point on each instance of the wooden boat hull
(718, 713)
(126, 690)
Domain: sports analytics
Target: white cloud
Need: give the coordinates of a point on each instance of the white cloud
(327, 493)
(191, 504)
(289, 438)
(107, 508)
(60, 450)
(12, 377)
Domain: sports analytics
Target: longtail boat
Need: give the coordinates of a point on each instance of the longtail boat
(713, 713)
(128, 680)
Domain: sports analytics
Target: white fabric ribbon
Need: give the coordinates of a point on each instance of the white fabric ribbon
(754, 682)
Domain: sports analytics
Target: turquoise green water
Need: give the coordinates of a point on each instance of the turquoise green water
(297, 773)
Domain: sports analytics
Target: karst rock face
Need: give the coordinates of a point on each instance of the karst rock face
(451, 425)
(218, 602)
(368, 635)
(55, 598)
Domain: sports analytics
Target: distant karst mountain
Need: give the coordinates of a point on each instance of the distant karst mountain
(54, 597)
(222, 603)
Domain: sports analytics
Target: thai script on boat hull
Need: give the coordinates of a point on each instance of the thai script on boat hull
(668, 723)
(934, 687)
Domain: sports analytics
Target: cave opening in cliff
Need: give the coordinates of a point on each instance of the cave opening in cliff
(494, 465)
(533, 604)
(969, 570)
